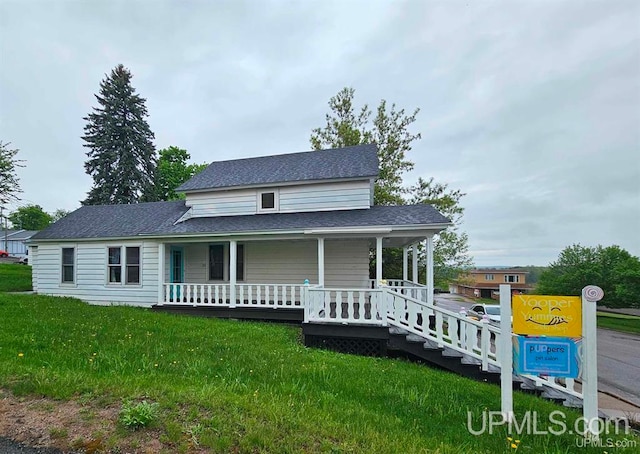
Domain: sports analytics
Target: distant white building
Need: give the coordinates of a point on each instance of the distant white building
(15, 242)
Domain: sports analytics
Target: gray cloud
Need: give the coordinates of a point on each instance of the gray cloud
(531, 108)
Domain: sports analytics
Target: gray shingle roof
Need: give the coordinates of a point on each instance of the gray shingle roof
(359, 161)
(112, 221)
(158, 218)
(21, 235)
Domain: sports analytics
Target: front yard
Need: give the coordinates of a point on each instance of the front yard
(229, 386)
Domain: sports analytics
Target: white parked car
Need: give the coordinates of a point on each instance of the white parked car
(477, 311)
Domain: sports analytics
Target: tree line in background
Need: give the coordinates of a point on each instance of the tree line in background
(611, 268)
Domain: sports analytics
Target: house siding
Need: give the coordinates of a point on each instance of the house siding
(347, 195)
(33, 258)
(288, 262)
(90, 273)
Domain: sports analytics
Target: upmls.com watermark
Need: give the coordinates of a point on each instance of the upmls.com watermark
(556, 424)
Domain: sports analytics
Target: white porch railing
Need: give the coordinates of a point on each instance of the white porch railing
(253, 295)
(346, 306)
(409, 288)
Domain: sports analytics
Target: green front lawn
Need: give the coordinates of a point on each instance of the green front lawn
(230, 386)
(619, 322)
(15, 277)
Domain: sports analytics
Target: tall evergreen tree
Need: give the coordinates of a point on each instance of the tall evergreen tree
(122, 158)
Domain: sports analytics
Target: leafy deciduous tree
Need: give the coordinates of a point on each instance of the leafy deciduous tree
(9, 183)
(389, 130)
(612, 268)
(173, 170)
(451, 247)
(122, 157)
(30, 217)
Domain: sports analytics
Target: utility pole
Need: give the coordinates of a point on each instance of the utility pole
(6, 233)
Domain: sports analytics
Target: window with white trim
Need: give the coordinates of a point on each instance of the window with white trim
(68, 265)
(114, 266)
(219, 262)
(511, 278)
(127, 265)
(488, 277)
(268, 201)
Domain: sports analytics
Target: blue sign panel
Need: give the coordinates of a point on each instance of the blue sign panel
(552, 356)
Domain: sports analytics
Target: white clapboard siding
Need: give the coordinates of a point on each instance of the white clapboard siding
(33, 258)
(346, 263)
(347, 195)
(90, 274)
(325, 196)
(281, 262)
(223, 203)
(290, 262)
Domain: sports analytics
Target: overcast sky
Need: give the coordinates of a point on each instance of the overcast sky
(532, 108)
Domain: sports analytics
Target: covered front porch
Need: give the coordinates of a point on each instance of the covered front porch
(289, 273)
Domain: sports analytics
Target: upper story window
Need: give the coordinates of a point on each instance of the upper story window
(488, 277)
(268, 201)
(511, 278)
(127, 265)
(68, 265)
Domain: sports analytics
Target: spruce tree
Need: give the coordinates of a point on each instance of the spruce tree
(122, 157)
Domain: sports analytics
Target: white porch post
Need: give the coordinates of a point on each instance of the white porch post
(161, 296)
(321, 262)
(414, 257)
(405, 263)
(430, 269)
(378, 260)
(233, 260)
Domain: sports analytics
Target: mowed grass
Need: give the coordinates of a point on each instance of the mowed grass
(237, 386)
(619, 322)
(15, 277)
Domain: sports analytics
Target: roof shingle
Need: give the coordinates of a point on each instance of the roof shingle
(360, 161)
(158, 218)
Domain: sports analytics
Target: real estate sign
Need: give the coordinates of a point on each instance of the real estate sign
(544, 315)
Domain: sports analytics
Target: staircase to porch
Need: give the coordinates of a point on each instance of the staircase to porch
(392, 319)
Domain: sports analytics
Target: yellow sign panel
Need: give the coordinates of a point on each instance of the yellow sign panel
(544, 315)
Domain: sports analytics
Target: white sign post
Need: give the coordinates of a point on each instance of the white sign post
(590, 295)
(506, 353)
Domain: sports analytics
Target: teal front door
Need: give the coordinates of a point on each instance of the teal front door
(176, 269)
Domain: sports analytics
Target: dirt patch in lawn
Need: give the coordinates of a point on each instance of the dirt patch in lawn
(71, 426)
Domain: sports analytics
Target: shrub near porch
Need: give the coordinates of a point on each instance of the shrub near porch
(244, 386)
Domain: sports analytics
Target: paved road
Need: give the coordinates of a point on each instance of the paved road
(618, 355)
(619, 364)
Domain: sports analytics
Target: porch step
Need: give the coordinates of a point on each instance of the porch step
(398, 330)
(431, 345)
(468, 359)
(414, 338)
(451, 353)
